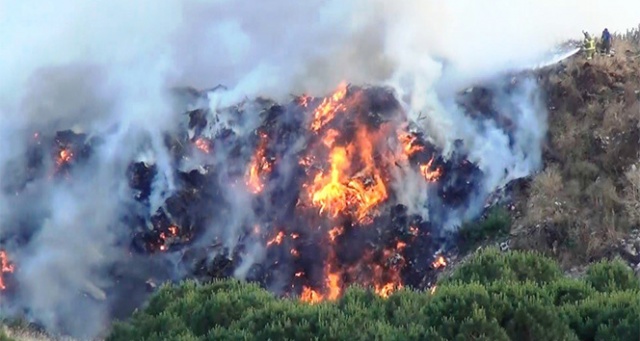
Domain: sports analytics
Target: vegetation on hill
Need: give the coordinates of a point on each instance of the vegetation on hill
(493, 296)
(588, 195)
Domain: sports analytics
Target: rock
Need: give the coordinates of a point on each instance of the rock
(151, 285)
(631, 250)
(504, 246)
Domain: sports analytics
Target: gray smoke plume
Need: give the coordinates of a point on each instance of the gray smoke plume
(104, 68)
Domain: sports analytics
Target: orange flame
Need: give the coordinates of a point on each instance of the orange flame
(328, 108)
(64, 156)
(340, 192)
(259, 166)
(166, 237)
(408, 146)
(335, 232)
(310, 296)
(387, 289)
(440, 262)
(304, 100)
(203, 144)
(428, 174)
(277, 240)
(6, 267)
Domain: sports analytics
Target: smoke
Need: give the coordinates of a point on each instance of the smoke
(103, 68)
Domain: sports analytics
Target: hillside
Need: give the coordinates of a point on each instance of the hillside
(587, 198)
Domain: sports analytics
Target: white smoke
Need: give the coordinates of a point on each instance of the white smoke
(104, 66)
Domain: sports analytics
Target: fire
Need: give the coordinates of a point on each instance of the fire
(294, 253)
(440, 262)
(277, 240)
(408, 145)
(335, 232)
(387, 289)
(64, 156)
(166, 237)
(6, 267)
(259, 166)
(304, 100)
(203, 144)
(338, 191)
(310, 296)
(400, 245)
(328, 108)
(429, 174)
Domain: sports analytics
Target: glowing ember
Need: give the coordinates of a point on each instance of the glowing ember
(166, 237)
(277, 240)
(335, 232)
(259, 166)
(203, 144)
(64, 156)
(7, 267)
(440, 262)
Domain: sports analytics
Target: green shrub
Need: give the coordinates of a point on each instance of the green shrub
(494, 296)
(612, 276)
(4, 336)
(496, 224)
(606, 316)
(492, 265)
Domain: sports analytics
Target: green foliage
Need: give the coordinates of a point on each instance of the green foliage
(493, 265)
(494, 296)
(612, 276)
(4, 336)
(496, 224)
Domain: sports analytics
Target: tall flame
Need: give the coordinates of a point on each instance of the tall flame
(328, 108)
(339, 191)
(259, 166)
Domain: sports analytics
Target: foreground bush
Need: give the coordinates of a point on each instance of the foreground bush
(495, 296)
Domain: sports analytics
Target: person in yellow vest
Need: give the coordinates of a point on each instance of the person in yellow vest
(589, 45)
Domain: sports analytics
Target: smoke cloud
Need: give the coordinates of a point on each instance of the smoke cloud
(104, 68)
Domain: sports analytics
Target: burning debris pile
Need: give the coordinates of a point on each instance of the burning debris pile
(320, 176)
(306, 197)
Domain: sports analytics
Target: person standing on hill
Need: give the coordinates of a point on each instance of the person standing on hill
(606, 41)
(589, 45)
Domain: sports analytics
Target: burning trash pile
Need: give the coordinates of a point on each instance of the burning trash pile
(319, 177)
(305, 197)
